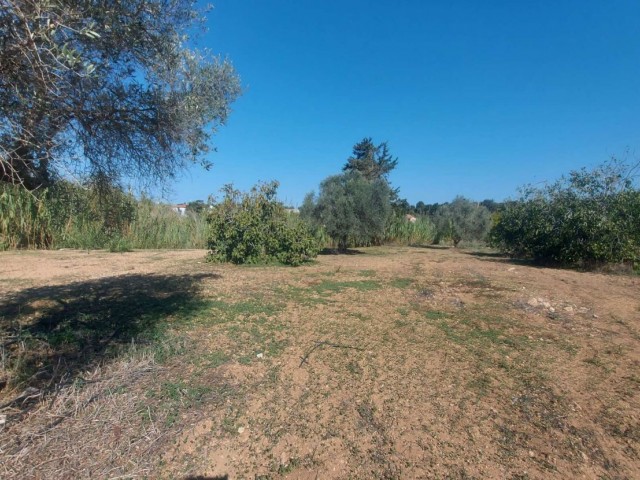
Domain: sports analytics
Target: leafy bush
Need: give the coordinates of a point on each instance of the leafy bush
(462, 220)
(589, 217)
(255, 228)
(352, 210)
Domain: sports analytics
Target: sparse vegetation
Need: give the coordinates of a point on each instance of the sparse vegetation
(184, 356)
(387, 355)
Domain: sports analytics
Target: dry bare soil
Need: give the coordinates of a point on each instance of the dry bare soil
(387, 363)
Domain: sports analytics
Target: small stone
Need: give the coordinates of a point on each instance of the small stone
(532, 453)
(552, 310)
(533, 302)
(260, 355)
(595, 316)
(240, 430)
(568, 309)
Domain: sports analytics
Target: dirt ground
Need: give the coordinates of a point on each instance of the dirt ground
(384, 363)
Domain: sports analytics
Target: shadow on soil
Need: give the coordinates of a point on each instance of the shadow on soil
(51, 334)
(500, 257)
(433, 247)
(335, 251)
(200, 477)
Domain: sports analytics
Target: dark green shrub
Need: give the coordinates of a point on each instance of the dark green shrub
(255, 228)
(589, 217)
(352, 210)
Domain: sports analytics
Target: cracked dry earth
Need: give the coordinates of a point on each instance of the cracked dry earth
(389, 363)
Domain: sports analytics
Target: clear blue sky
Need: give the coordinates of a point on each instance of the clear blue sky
(474, 97)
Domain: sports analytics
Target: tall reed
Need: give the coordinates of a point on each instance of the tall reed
(158, 226)
(400, 231)
(24, 219)
(71, 216)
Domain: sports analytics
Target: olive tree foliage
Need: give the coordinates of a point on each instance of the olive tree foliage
(586, 218)
(462, 220)
(106, 89)
(352, 210)
(255, 227)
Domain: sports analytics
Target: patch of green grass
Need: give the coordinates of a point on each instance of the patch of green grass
(477, 282)
(320, 293)
(435, 315)
(596, 361)
(401, 282)
(245, 359)
(173, 397)
(119, 245)
(480, 383)
(466, 332)
(367, 273)
(328, 287)
(359, 316)
(353, 368)
(181, 391)
(487, 336)
(214, 359)
(230, 311)
(259, 335)
(300, 296)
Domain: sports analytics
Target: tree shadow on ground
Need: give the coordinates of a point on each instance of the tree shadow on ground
(50, 334)
(336, 251)
(432, 247)
(201, 477)
(501, 258)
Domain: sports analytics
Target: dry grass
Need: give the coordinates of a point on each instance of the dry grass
(397, 363)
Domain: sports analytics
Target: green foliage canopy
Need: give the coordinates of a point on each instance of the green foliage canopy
(462, 220)
(589, 217)
(254, 227)
(105, 89)
(352, 209)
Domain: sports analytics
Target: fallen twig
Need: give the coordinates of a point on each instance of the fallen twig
(328, 344)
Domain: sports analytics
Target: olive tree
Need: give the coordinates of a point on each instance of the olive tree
(106, 89)
(352, 210)
(462, 220)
